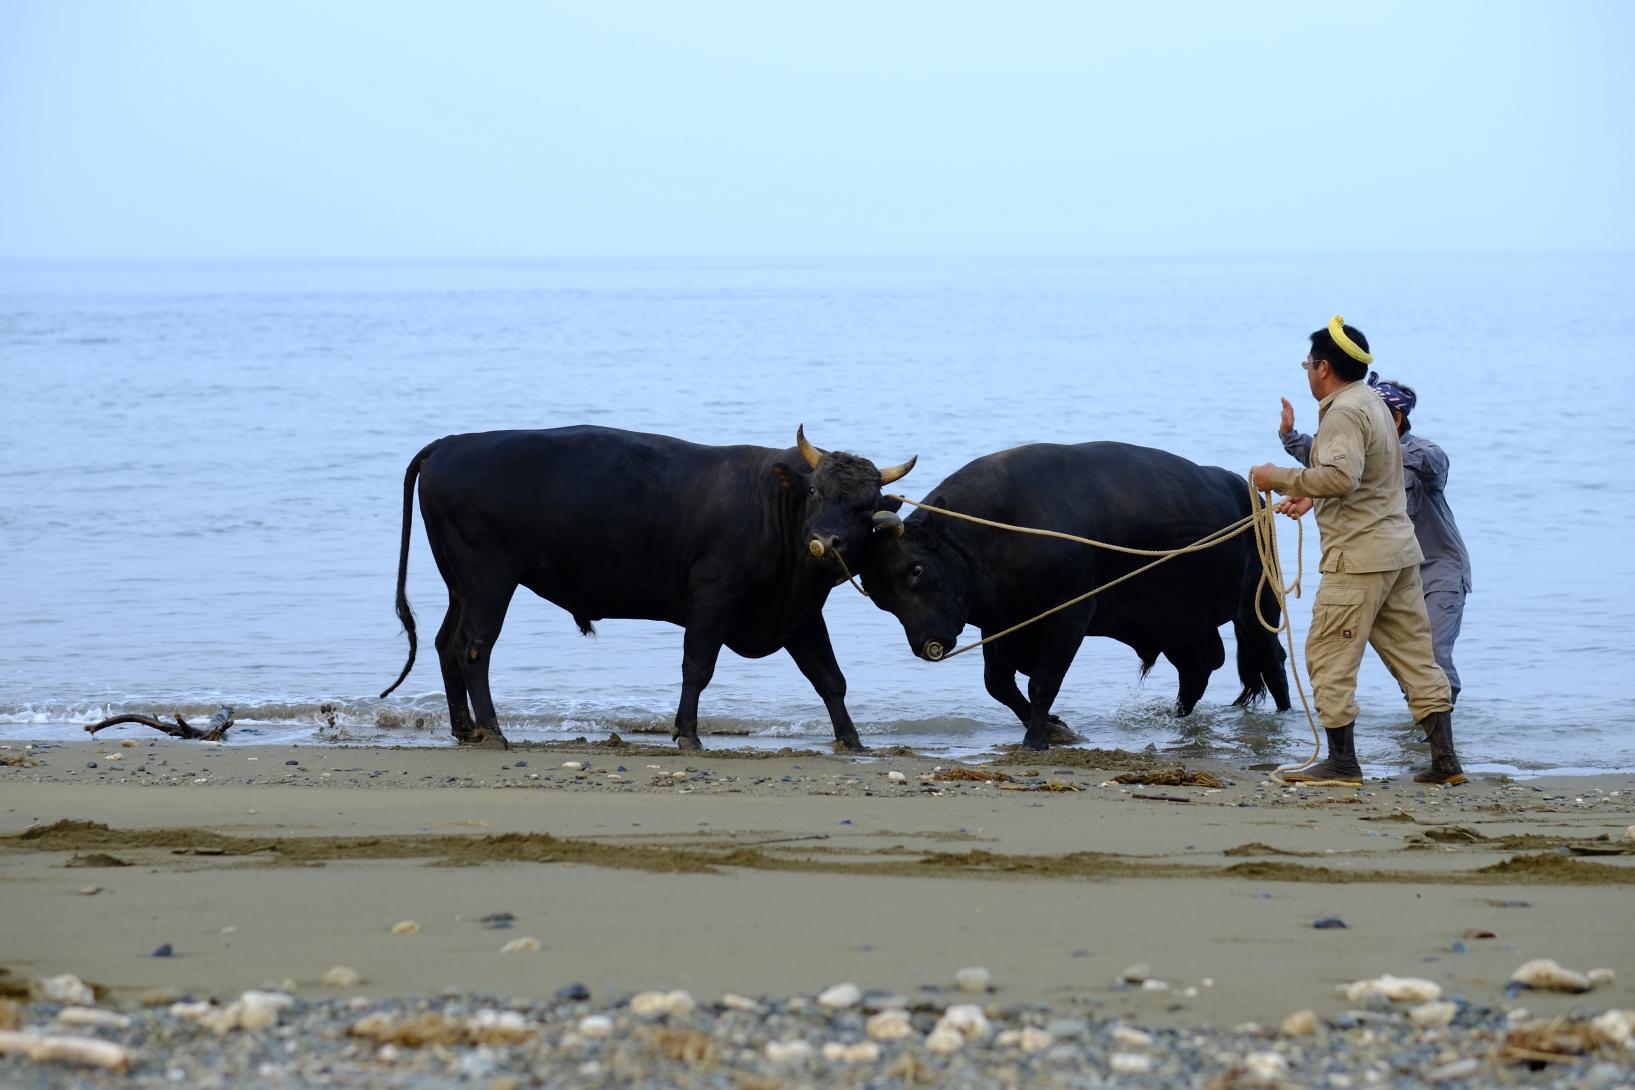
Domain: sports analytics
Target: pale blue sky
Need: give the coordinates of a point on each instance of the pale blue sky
(362, 128)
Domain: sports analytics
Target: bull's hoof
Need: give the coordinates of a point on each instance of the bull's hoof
(689, 743)
(853, 744)
(1181, 711)
(1036, 742)
(485, 739)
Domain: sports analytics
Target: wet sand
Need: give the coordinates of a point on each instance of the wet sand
(783, 874)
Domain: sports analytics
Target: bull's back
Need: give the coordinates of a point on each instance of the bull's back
(1127, 495)
(578, 496)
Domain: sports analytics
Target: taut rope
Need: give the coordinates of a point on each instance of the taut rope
(1261, 520)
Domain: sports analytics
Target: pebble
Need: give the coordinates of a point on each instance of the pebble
(966, 1019)
(405, 927)
(973, 978)
(1438, 1012)
(1545, 974)
(342, 976)
(1600, 978)
(89, 891)
(573, 766)
(944, 1042)
(596, 1026)
(1130, 1063)
(1265, 1067)
(889, 1025)
(163, 950)
(654, 1004)
(840, 997)
(734, 1002)
(1394, 989)
(66, 988)
(1458, 1069)
(573, 993)
(525, 945)
(92, 1018)
(1126, 1037)
(1302, 1023)
(863, 1052)
(1329, 923)
(788, 1052)
(896, 777)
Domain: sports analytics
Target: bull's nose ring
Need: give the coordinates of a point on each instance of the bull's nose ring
(815, 547)
(933, 650)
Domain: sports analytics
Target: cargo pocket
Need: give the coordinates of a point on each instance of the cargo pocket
(1337, 614)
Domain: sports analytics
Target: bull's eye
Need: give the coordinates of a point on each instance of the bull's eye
(915, 572)
(811, 490)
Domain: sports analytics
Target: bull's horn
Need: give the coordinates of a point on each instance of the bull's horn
(893, 473)
(888, 520)
(812, 454)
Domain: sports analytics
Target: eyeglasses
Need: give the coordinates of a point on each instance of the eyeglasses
(1308, 363)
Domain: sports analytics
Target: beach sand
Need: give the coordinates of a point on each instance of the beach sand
(783, 874)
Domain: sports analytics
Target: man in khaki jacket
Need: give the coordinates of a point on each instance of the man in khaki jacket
(1370, 591)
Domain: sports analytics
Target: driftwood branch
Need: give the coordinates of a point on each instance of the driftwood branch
(215, 731)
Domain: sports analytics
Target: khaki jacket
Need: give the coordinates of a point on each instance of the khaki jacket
(1356, 479)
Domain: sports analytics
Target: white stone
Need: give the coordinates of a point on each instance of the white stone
(678, 1003)
(966, 1019)
(840, 997)
(1126, 1037)
(1130, 1063)
(573, 766)
(1155, 985)
(66, 988)
(973, 978)
(525, 945)
(862, 1052)
(1616, 1027)
(1136, 973)
(595, 1026)
(1438, 1012)
(1302, 1023)
(896, 777)
(45, 1048)
(342, 976)
(944, 1042)
(1458, 1069)
(1398, 989)
(788, 1052)
(1265, 1066)
(1546, 975)
(1629, 833)
(1600, 978)
(191, 1011)
(740, 1003)
(405, 927)
(1035, 1039)
(889, 1025)
(92, 1018)
(250, 1011)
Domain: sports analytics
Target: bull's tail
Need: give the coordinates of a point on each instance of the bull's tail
(404, 613)
(1261, 658)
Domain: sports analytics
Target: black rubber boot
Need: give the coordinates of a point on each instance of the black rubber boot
(1341, 767)
(1438, 728)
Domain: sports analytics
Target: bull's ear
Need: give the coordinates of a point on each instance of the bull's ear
(786, 474)
(890, 503)
(888, 522)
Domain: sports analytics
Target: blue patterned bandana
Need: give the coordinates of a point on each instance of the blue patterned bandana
(1396, 396)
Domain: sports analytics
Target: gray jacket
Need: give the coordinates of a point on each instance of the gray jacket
(1425, 479)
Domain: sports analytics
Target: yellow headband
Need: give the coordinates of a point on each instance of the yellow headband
(1336, 329)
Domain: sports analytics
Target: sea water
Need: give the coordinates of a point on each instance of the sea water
(201, 468)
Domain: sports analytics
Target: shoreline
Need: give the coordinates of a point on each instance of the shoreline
(781, 874)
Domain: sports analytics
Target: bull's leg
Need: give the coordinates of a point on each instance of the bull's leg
(454, 681)
(1042, 689)
(1195, 661)
(482, 615)
(809, 646)
(699, 650)
(1000, 679)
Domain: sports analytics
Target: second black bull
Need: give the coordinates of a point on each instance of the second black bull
(736, 544)
(937, 574)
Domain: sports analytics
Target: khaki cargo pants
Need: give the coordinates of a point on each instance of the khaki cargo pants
(1385, 609)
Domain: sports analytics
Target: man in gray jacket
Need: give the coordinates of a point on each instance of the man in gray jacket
(1446, 570)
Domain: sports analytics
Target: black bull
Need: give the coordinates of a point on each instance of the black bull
(941, 573)
(736, 544)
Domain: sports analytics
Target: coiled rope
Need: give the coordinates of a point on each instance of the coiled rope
(1261, 520)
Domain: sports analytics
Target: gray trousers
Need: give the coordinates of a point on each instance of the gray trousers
(1446, 609)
